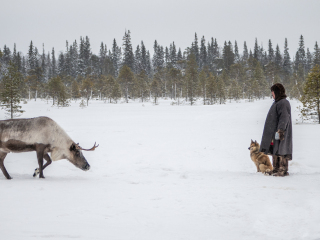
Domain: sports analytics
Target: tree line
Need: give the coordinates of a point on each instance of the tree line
(204, 70)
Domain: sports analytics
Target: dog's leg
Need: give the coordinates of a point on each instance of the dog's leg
(258, 168)
(262, 168)
(265, 169)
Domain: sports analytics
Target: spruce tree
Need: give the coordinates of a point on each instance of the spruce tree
(10, 91)
(107, 83)
(158, 57)
(179, 59)
(295, 86)
(260, 88)
(256, 50)
(74, 55)
(300, 60)
(31, 58)
(137, 60)
(1, 54)
(81, 59)
(116, 57)
(102, 58)
(195, 49)
(61, 65)
(270, 52)
(63, 99)
(278, 58)
(6, 55)
(311, 95)
(144, 59)
(228, 55)
(192, 78)
(116, 92)
(86, 88)
(44, 65)
(212, 88)
(203, 85)
(149, 67)
(221, 91)
(75, 90)
(210, 55)
(14, 56)
(234, 91)
(142, 85)
(316, 55)
(24, 67)
(286, 66)
(309, 61)
(155, 89)
(126, 79)
(252, 88)
(167, 56)
(203, 53)
(86, 54)
(174, 75)
(57, 91)
(245, 54)
(236, 53)
(173, 55)
(225, 77)
(49, 66)
(238, 73)
(67, 64)
(128, 57)
(53, 64)
(155, 55)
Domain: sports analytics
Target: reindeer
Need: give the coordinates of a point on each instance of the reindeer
(42, 135)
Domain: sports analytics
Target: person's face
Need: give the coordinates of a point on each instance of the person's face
(273, 96)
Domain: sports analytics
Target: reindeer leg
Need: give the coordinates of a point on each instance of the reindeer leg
(49, 161)
(4, 170)
(40, 152)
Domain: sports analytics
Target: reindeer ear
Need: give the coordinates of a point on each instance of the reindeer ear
(72, 147)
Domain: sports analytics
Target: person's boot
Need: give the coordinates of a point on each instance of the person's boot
(283, 169)
(275, 165)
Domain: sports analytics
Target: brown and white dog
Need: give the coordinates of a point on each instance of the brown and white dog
(260, 159)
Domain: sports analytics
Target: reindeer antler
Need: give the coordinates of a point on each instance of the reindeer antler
(91, 149)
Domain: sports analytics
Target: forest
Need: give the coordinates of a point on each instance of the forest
(207, 71)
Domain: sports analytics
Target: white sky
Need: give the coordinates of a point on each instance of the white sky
(53, 22)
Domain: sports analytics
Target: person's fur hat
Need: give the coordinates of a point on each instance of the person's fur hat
(279, 91)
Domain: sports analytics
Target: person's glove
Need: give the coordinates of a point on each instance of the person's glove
(279, 135)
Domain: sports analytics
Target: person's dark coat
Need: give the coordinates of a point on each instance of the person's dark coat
(278, 118)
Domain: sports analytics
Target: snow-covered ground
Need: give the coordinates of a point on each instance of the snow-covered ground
(163, 172)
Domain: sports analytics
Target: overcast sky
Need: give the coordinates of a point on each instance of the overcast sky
(52, 22)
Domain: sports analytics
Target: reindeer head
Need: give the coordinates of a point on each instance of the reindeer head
(77, 158)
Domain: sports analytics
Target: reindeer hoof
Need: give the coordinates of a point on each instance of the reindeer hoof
(36, 172)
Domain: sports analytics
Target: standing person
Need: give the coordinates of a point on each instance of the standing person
(277, 133)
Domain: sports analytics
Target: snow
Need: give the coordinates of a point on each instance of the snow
(163, 172)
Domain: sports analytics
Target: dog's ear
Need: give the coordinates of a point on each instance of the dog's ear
(255, 141)
(251, 141)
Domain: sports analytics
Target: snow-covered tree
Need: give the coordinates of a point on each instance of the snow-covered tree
(11, 91)
(311, 95)
(128, 57)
